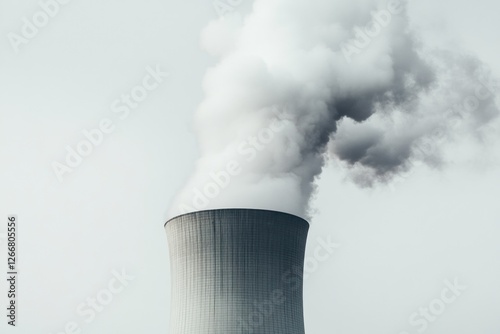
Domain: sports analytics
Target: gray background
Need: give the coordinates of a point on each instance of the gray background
(398, 243)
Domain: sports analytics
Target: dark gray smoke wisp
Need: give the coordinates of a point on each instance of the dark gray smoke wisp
(300, 81)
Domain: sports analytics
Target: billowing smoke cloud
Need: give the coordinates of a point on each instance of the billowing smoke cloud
(301, 81)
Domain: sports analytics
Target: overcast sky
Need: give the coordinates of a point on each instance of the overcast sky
(398, 243)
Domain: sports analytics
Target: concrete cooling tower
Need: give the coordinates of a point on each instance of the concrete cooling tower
(236, 271)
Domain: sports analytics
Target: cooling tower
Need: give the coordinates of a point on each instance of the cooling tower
(236, 271)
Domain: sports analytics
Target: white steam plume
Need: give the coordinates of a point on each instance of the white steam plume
(299, 81)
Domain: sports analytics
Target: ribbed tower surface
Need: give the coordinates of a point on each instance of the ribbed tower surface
(237, 271)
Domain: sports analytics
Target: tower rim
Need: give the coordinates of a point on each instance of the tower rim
(237, 209)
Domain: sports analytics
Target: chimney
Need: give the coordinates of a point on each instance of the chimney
(237, 271)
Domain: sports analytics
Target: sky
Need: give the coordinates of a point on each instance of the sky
(95, 232)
